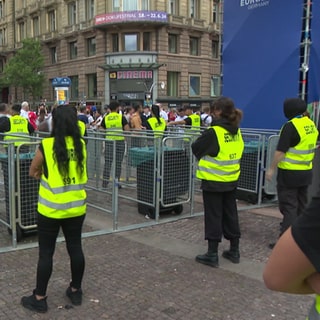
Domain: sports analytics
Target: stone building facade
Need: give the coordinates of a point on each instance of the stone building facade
(130, 50)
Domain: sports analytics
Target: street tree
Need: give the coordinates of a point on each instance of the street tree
(23, 70)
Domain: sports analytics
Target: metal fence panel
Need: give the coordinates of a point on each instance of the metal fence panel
(157, 180)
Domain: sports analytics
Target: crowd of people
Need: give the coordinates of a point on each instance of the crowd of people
(92, 116)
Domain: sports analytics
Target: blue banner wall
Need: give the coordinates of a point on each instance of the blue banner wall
(313, 84)
(261, 49)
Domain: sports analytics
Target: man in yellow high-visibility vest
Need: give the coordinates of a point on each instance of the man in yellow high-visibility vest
(114, 124)
(293, 159)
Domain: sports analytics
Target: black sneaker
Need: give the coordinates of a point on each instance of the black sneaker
(33, 304)
(75, 297)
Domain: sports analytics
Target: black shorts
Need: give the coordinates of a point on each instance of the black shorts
(306, 232)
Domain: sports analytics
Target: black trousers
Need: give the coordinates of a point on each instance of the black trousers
(109, 157)
(48, 230)
(220, 215)
(292, 203)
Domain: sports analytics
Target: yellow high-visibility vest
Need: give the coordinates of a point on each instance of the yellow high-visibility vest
(300, 156)
(225, 167)
(82, 127)
(62, 197)
(157, 127)
(18, 125)
(113, 122)
(195, 127)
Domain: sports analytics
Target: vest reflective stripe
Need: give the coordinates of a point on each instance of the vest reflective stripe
(113, 122)
(157, 127)
(18, 126)
(61, 206)
(61, 197)
(217, 171)
(300, 157)
(299, 162)
(225, 167)
(63, 189)
(220, 162)
(292, 150)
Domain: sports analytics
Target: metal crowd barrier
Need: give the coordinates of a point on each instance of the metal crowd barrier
(157, 182)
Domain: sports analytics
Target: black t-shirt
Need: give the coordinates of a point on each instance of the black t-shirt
(289, 137)
(306, 232)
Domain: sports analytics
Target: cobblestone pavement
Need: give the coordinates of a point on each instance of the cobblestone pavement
(150, 273)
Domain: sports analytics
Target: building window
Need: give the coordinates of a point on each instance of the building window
(215, 49)
(130, 42)
(216, 12)
(72, 13)
(172, 84)
(173, 7)
(215, 86)
(146, 41)
(115, 42)
(91, 47)
(195, 9)
(194, 46)
(73, 52)
(3, 38)
(53, 54)
(90, 12)
(35, 26)
(173, 43)
(51, 20)
(130, 5)
(194, 85)
(21, 27)
(2, 9)
(92, 85)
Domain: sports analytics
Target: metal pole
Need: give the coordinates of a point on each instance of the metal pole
(306, 43)
(221, 4)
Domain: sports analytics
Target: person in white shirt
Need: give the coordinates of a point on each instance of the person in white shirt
(25, 110)
(180, 116)
(206, 118)
(99, 116)
(163, 113)
(90, 118)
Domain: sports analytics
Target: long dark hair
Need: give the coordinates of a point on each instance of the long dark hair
(228, 110)
(64, 124)
(155, 109)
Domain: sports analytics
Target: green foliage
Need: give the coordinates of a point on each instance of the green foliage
(23, 70)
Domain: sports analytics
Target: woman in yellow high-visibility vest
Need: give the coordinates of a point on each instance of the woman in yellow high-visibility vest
(219, 150)
(156, 123)
(60, 164)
